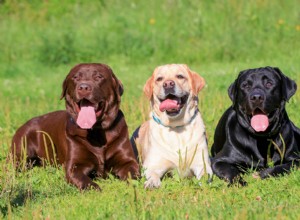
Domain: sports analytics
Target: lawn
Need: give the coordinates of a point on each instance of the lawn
(41, 41)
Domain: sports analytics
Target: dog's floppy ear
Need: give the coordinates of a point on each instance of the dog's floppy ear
(121, 88)
(232, 91)
(118, 86)
(197, 81)
(288, 86)
(148, 87)
(64, 89)
(233, 88)
(70, 74)
(65, 84)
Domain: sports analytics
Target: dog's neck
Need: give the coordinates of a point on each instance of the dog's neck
(158, 121)
(75, 130)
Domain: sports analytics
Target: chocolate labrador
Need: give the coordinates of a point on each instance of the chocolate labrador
(256, 132)
(89, 139)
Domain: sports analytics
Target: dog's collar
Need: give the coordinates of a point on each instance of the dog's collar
(158, 121)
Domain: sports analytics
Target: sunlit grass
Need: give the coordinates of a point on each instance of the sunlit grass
(41, 192)
(40, 42)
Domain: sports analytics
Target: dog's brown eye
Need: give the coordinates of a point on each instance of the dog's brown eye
(98, 76)
(75, 78)
(245, 85)
(180, 77)
(269, 84)
(159, 79)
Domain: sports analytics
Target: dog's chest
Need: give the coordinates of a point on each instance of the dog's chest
(265, 149)
(177, 139)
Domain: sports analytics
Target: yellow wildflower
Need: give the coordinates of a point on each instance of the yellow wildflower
(152, 21)
(280, 22)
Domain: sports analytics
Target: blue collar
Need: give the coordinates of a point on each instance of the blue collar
(158, 121)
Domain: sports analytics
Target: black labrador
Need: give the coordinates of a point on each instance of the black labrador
(256, 132)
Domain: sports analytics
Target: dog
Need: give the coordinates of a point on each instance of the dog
(89, 138)
(174, 137)
(256, 129)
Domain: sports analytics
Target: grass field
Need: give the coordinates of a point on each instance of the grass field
(41, 40)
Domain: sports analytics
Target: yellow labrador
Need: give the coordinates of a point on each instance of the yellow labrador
(174, 137)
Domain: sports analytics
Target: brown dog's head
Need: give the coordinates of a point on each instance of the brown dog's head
(93, 95)
(173, 91)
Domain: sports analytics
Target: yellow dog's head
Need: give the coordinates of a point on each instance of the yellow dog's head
(173, 93)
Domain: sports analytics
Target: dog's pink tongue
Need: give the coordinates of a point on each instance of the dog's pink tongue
(259, 122)
(86, 117)
(168, 104)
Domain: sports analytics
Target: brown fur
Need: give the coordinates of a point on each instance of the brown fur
(84, 153)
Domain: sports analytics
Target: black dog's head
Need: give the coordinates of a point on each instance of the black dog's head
(259, 96)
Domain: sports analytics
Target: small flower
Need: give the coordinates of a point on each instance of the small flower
(255, 175)
(152, 21)
(258, 198)
(186, 216)
(297, 27)
(280, 22)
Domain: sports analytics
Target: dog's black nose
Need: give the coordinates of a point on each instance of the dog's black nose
(257, 97)
(168, 84)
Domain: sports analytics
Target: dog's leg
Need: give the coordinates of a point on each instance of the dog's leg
(277, 170)
(133, 138)
(153, 178)
(121, 161)
(128, 169)
(202, 165)
(228, 172)
(78, 176)
(154, 171)
(24, 151)
(200, 170)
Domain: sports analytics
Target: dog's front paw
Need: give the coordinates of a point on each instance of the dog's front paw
(266, 173)
(152, 182)
(88, 186)
(237, 180)
(200, 171)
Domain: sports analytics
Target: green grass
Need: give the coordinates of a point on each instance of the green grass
(40, 42)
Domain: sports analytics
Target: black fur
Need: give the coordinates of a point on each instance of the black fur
(237, 146)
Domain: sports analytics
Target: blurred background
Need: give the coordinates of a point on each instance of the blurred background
(41, 40)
